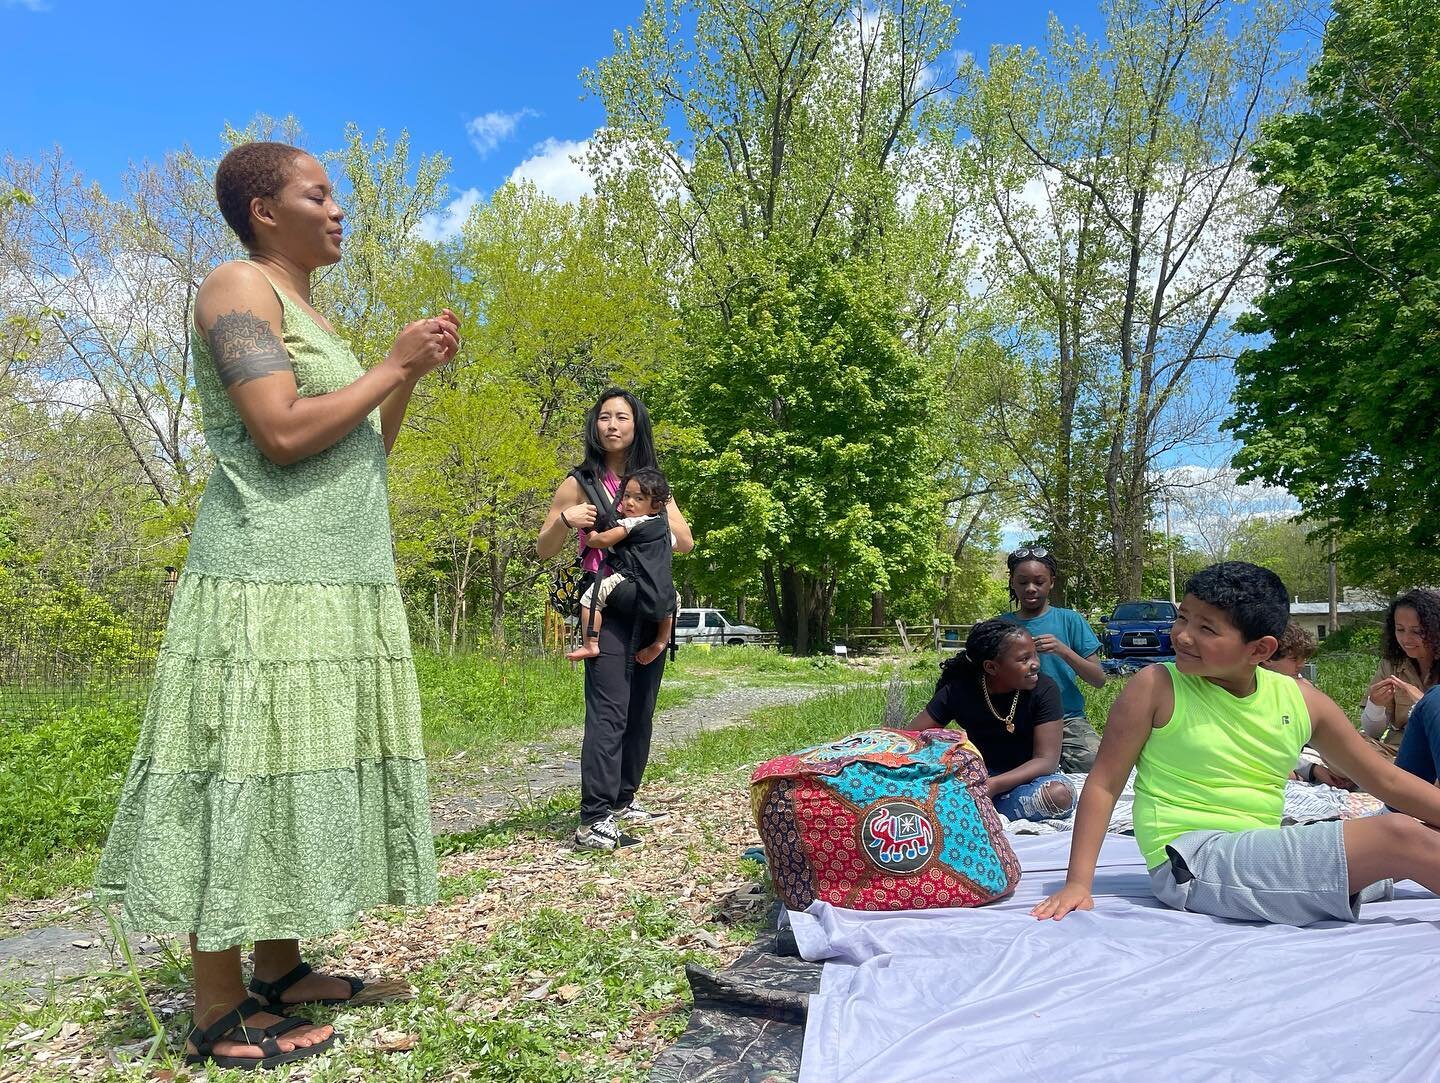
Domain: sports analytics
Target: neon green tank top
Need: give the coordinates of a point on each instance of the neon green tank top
(1220, 762)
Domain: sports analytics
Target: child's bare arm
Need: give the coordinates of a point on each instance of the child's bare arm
(605, 539)
(1146, 698)
(1346, 751)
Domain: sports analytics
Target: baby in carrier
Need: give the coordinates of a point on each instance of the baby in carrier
(641, 551)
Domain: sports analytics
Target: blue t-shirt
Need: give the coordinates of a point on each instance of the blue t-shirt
(1070, 628)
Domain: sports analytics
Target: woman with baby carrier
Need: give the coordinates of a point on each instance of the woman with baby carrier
(620, 688)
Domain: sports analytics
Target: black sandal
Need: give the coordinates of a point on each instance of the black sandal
(231, 1027)
(272, 991)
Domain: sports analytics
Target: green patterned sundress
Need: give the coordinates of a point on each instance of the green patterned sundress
(279, 785)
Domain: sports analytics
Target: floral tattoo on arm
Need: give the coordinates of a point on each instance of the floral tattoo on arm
(245, 348)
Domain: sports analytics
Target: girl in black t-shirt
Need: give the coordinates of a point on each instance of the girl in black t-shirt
(1011, 711)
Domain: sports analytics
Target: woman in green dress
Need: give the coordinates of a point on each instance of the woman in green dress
(279, 784)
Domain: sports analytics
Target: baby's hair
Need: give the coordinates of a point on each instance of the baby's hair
(1296, 643)
(985, 641)
(1254, 598)
(1426, 604)
(651, 481)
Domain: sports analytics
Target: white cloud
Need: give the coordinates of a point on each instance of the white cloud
(489, 130)
(446, 224)
(556, 167)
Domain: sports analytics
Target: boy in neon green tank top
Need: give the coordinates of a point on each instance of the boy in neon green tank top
(1213, 738)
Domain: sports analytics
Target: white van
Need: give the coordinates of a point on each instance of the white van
(712, 626)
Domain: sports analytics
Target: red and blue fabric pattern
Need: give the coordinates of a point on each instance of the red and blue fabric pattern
(883, 820)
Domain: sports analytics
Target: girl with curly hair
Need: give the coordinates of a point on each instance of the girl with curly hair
(1403, 694)
(1409, 666)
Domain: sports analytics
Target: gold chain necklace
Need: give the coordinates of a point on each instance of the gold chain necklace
(1008, 719)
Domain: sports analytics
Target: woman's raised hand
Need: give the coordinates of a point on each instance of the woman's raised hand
(580, 515)
(1382, 692)
(425, 345)
(1399, 684)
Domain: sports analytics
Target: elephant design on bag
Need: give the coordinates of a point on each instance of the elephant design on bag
(898, 835)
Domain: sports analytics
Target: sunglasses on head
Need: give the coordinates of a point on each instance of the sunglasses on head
(1035, 552)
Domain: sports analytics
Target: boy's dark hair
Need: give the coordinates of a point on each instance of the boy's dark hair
(1296, 643)
(1254, 598)
(1426, 604)
(652, 483)
(250, 171)
(985, 641)
(642, 450)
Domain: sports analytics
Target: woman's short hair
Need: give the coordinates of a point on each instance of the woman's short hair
(251, 171)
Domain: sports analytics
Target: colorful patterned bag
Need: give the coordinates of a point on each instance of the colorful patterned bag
(883, 820)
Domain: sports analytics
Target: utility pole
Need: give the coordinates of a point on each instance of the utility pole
(1333, 576)
(1169, 546)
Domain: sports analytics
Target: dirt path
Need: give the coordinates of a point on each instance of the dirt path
(466, 797)
(65, 938)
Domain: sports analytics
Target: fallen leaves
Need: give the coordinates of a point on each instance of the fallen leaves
(690, 861)
(394, 1041)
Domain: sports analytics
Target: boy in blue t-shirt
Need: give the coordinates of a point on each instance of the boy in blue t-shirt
(1067, 645)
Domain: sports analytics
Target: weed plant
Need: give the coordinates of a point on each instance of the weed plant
(59, 780)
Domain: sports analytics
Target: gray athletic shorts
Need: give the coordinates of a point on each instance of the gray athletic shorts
(1284, 875)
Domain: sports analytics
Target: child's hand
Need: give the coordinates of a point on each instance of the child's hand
(1068, 898)
(1326, 777)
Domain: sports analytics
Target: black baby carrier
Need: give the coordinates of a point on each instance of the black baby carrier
(643, 558)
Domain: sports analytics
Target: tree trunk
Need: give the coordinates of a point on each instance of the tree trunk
(772, 602)
(803, 603)
(877, 608)
(499, 562)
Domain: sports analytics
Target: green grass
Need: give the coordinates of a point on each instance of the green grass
(778, 730)
(1098, 701)
(1345, 678)
(59, 778)
(587, 986)
(484, 704)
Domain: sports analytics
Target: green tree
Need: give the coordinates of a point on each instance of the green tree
(781, 148)
(1111, 175)
(1340, 404)
(813, 459)
(551, 314)
(1285, 547)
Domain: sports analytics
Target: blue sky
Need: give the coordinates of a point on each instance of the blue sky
(116, 82)
(494, 86)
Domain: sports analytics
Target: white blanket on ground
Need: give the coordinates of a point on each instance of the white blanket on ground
(1130, 990)
(1304, 803)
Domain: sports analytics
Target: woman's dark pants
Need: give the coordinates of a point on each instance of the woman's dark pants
(619, 714)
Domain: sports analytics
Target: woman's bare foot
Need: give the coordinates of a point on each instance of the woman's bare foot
(645, 655)
(299, 1038)
(591, 649)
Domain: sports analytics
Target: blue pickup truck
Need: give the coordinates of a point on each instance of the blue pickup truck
(1139, 630)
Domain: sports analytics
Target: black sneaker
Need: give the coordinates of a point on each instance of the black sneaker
(639, 815)
(603, 835)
